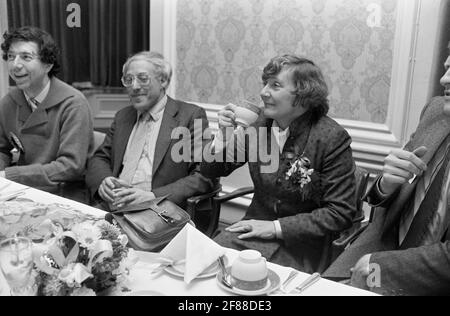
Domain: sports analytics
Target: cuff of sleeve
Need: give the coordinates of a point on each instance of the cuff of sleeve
(278, 231)
(376, 197)
(12, 174)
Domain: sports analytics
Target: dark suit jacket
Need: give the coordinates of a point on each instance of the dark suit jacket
(179, 179)
(409, 268)
(309, 222)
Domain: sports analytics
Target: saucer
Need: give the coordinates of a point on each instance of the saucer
(273, 283)
(178, 270)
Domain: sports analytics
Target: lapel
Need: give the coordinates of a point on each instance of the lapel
(58, 92)
(124, 126)
(24, 107)
(427, 210)
(401, 201)
(169, 122)
(431, 132)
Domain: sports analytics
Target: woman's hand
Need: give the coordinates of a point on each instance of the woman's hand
(227, 116)
(253, 228)
(126, 196)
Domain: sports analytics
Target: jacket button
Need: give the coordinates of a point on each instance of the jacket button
(279, 181)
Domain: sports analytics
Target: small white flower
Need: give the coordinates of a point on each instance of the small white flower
(74, 274)
(123, 239)
(87, 234)
(299, 173)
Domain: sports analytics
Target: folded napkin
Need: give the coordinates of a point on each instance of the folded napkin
(197, 249)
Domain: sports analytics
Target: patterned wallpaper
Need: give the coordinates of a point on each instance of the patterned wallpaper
(222, 46)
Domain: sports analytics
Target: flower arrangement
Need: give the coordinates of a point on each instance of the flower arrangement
(85, 259)
(299, 173)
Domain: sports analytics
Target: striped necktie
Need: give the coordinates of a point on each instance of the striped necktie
(434, 176)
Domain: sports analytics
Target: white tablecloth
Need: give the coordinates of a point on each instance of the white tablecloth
(141, 280)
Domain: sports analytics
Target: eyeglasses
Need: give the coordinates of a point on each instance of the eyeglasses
(24, 56)
(142, 78)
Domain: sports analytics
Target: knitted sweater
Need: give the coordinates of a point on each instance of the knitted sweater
(57, 136)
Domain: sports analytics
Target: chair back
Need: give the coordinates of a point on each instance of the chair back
(99, 137)
(362, 180)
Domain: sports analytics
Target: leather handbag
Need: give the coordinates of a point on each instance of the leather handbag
(151, 225)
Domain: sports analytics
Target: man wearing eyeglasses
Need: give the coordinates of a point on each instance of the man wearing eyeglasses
(134, 163)
(46, 121)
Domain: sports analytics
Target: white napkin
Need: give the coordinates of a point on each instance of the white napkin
(198, 249)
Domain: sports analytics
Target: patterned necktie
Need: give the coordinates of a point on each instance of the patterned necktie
(136, 148)
(34, 104)
(427, 197)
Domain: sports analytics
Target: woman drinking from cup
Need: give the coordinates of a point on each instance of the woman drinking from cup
(300, 206)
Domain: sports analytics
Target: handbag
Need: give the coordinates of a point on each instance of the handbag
(151, 225)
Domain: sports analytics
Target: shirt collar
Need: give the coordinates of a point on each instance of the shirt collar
(281, 132)
(42, 95)
(157, 110)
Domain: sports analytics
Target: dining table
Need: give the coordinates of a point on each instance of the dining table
(143, 281)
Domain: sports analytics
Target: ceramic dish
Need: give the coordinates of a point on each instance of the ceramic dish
(273, 283)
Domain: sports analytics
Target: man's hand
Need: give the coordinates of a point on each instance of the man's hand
(360, 272)
(106, 189)
(253, 228)
(126, 196)
(400, 166)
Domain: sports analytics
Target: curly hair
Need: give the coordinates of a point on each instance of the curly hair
(311, 88)
(49, 52)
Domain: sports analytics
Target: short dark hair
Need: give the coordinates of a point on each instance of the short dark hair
(311, 88)
(49, 52)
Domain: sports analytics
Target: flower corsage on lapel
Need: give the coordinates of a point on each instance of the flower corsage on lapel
(299, 173)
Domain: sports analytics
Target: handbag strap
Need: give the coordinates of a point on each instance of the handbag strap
(153, 205)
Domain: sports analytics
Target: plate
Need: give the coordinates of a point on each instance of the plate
(178, 270)
(273, 283)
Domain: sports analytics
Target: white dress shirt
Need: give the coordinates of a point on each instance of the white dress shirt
(142, 177)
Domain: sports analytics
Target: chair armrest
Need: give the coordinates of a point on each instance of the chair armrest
(359, 218)
(193, 201)
(235, 194)
(343, 242)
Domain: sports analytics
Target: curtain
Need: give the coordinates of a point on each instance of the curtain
(117, 30)
(110, 31)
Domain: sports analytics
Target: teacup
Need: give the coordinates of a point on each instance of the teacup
(249, 271)
(246, 113)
